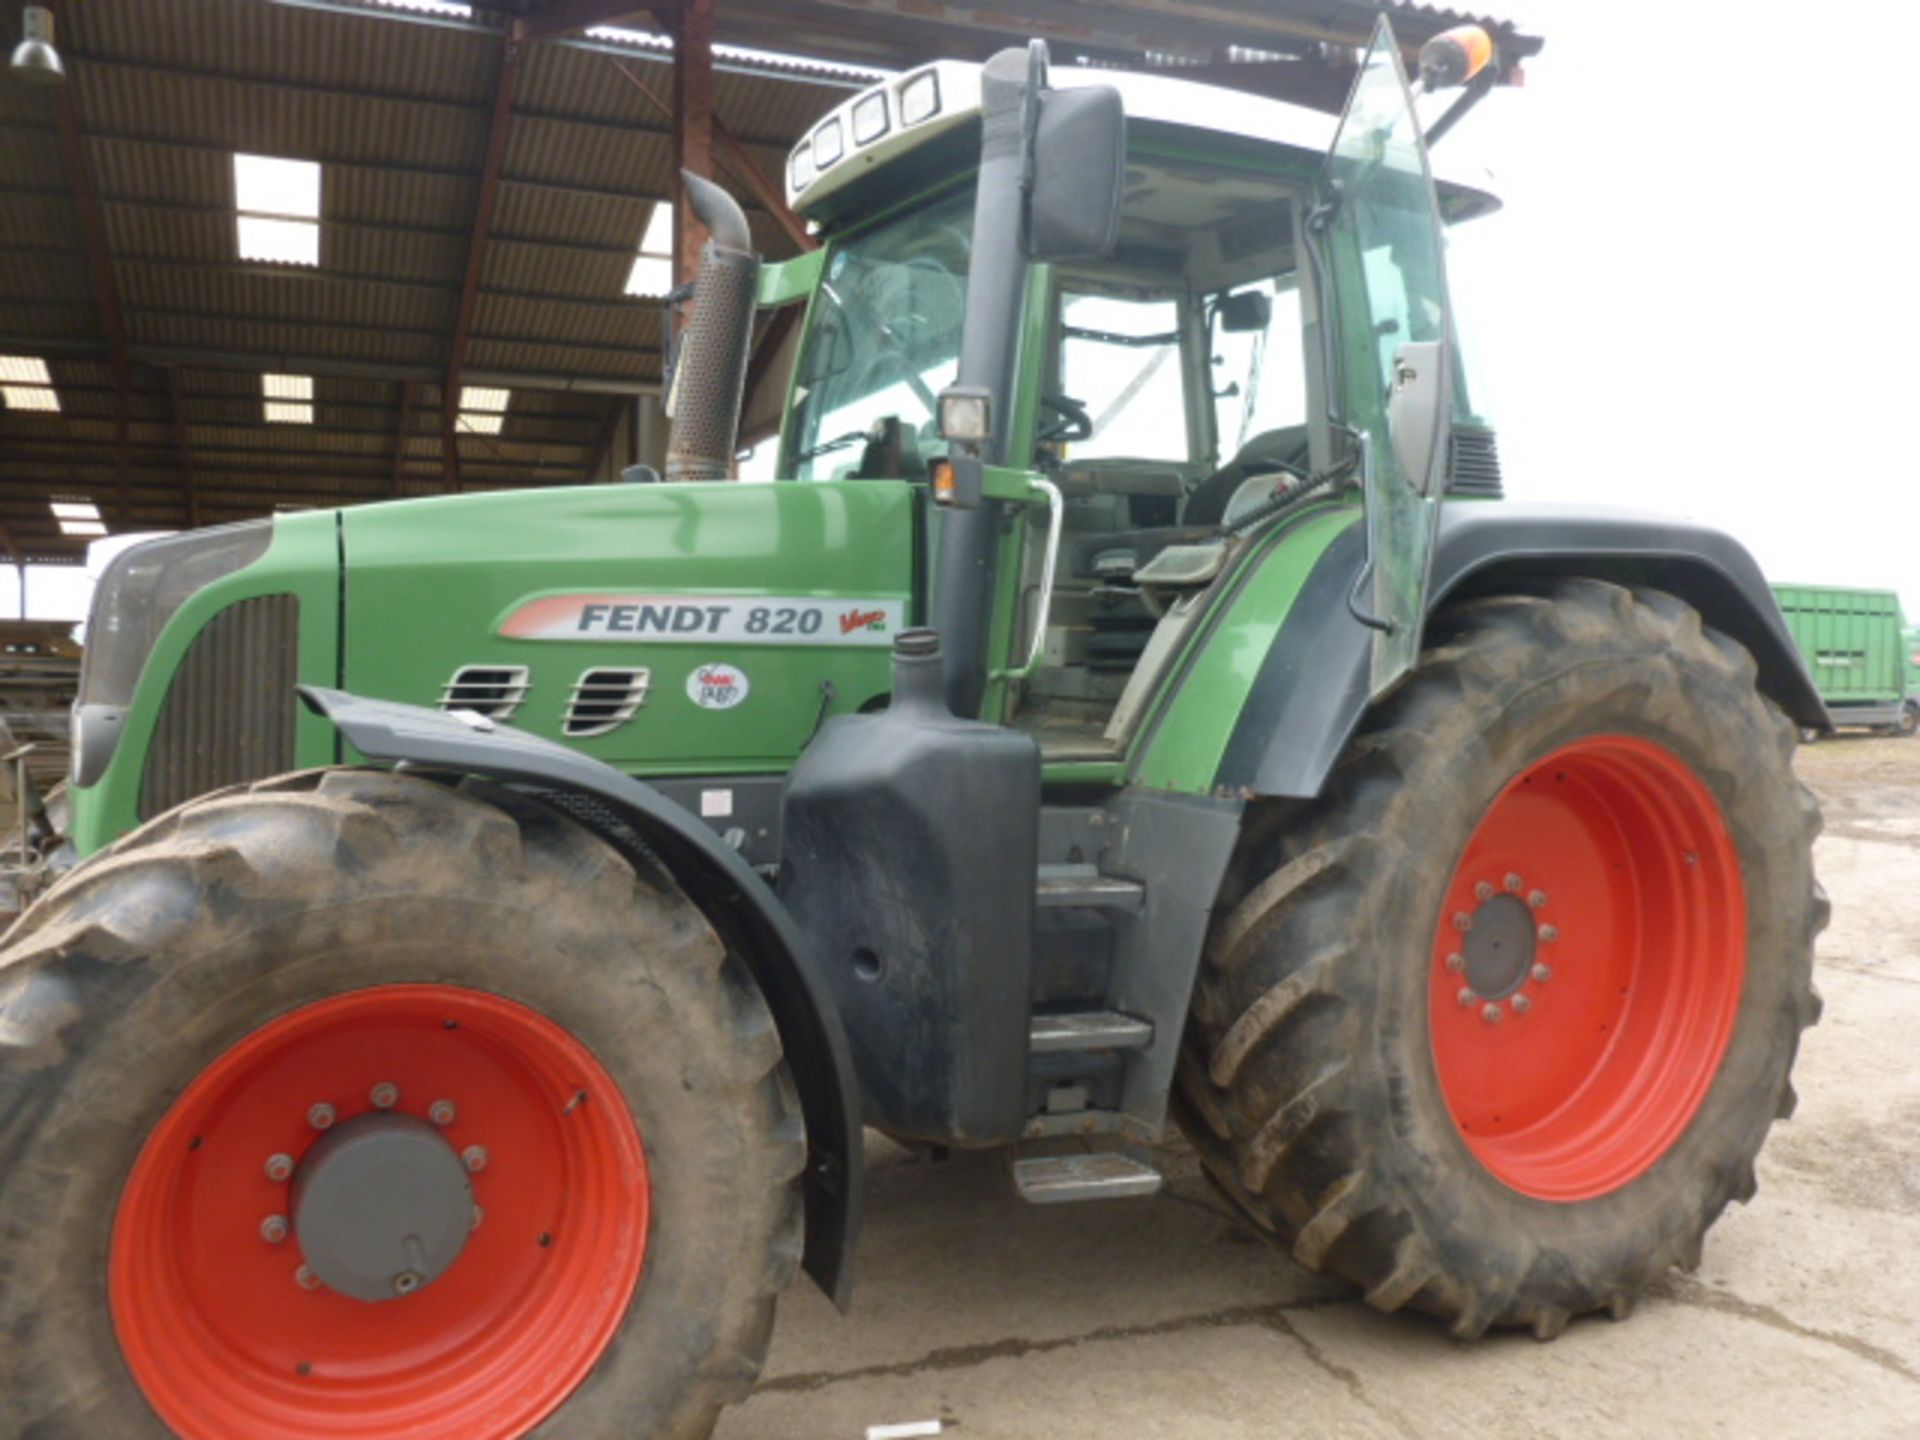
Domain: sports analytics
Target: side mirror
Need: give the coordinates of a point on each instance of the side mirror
(1248, 312)
(1078, 165)
(1418, 420)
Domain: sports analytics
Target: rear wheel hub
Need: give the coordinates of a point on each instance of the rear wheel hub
(1587, 967)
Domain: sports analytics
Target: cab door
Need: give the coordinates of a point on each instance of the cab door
(1392, 338)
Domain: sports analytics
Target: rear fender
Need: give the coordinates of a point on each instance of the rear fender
(1311, 690)
(639, 820)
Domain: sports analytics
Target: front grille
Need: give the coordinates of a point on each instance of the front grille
(494, 691)
(603, 700)
(228, 716)
(1473, 463)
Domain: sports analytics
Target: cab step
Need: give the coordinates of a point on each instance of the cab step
(1088, 1030)
(1064, 887)
(1068, 1179)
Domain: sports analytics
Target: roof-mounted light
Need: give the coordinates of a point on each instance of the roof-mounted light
(800, 171)
(870, 118)
(828, 144)
(919, 97)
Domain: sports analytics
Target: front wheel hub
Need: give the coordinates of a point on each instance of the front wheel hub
(381, 1207)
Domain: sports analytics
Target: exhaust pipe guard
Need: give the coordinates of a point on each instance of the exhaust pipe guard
(710, 376)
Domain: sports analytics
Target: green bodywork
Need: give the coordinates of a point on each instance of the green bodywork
(394, 598)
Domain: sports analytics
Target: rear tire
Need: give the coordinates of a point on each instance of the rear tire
(1338, 1094)
(1909, 720)
(218, 929)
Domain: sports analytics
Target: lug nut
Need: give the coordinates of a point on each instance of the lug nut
(321, 1116)
(1513, 882)
(1467, 996)
(474, 1157)
(1491, 1014)
(1483, 890)
(1543, 973)
(1456, 962)
(306, 1279)
(441, 1112)
(1537, 899)
(1462, 921)
(279, 1167)
(1549, 934)
(1521, 1004)
(273, 1229)
(385, 1095)
(406, 1282)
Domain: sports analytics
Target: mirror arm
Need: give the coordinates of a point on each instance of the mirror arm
(1475, 91)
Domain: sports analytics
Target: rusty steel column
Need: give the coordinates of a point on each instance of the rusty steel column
(497, 127)
(184, 447)
(106, 293)
(692, 24)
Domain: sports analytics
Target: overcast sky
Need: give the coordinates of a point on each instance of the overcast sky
(1696, 299)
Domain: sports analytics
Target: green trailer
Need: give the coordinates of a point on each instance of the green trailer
(1862, 654)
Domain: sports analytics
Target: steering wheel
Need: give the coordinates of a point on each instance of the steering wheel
(1071, 423)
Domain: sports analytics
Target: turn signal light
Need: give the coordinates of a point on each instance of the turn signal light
(942, 473)
(1454, 57)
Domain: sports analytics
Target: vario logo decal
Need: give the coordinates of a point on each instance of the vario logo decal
(718, 686)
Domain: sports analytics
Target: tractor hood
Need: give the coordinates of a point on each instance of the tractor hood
(665, 629)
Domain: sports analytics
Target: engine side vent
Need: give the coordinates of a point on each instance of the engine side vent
(1473, 463)
(494, 691)
(604, 700)
(229, 713)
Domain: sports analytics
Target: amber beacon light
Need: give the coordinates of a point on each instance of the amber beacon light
(1453, 57)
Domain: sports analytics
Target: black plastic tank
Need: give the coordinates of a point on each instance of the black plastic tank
(910, 859)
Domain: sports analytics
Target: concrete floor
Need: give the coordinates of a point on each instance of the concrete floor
(1163, 1317)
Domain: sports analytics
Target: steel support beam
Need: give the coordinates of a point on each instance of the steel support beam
(569, 17)
(106, 292)
(183, 447)
(741, 163)
(498, 124)
(691, 25)
(401, 430)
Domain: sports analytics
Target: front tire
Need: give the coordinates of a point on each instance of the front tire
(1519, 1125)
(336, 954)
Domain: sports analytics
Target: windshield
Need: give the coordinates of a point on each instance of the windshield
(884, 339)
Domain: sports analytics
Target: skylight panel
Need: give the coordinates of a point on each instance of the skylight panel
(479, 423)
(427, 7)
(287, 387)
(90, 528)
(268, 185)
(652, 272)
(31, 397)
(287, 412)
(483, 397)
(75, 510)
(657, 239)
(279, 242)
(24, 370)
(278, 208)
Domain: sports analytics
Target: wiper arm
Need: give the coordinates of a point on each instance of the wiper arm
(839, 442)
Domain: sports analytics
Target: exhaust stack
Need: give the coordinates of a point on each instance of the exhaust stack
(711, 372)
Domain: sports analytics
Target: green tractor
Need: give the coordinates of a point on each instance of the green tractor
(502, 913)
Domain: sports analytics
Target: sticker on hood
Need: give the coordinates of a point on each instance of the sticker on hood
(706, 620)
(718, 686)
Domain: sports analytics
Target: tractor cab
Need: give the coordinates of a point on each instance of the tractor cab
(1166, 389)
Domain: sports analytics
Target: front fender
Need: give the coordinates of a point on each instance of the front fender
(1312, 690)
(635, 817)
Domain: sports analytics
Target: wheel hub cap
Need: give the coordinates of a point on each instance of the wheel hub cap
(381, 1207)
(1500, 947)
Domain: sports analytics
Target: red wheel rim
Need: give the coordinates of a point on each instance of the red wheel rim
(1587, 968)
(221, 1335)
